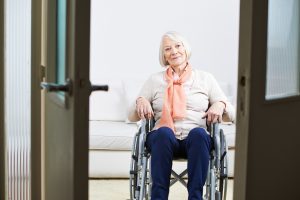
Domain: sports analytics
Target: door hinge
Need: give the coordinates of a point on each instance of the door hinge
(43, 72)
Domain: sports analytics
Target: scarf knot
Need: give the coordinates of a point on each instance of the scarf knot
(177, 83)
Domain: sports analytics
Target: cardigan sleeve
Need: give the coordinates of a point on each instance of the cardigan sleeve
(146, 92)
(216, 94)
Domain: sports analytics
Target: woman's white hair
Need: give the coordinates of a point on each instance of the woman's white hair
(178, 38)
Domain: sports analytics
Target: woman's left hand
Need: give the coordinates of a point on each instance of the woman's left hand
(215, 112)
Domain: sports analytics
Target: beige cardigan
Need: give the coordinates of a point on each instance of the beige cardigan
(201, 91)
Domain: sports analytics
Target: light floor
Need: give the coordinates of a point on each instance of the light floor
(118, 189)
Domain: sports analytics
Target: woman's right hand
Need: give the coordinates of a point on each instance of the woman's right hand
(143, 108)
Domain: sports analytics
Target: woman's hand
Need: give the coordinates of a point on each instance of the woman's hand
(143, 108)
(215, 112)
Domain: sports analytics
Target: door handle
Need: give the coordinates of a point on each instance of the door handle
(94, 88)
(67, 87)
(99, 88)
(54, 87)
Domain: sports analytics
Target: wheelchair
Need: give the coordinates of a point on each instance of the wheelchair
(140, 172)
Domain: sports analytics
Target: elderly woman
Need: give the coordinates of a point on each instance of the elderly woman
(182, 101)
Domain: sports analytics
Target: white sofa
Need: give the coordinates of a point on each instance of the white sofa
(111, 135)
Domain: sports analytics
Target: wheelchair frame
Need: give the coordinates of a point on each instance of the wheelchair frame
(140, 171)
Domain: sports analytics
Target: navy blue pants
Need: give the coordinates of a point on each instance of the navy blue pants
(164, 147)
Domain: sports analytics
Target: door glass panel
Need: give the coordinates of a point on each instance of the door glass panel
(283, 49)
(61, 41)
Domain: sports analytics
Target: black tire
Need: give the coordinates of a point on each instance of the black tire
(223, 167)
(134, 167)
(148, 183)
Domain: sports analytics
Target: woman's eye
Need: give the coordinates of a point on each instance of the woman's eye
(178, 45)
(167, 49)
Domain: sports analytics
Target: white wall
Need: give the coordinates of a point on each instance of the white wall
(125, 36)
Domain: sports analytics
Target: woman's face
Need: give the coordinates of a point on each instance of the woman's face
(174, 52)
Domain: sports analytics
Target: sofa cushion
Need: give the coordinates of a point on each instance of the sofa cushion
(132, 88)
(109, 135)
(112, 135)
(227, 89)
(108, 105)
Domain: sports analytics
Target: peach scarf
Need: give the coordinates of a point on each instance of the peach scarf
(175, 100)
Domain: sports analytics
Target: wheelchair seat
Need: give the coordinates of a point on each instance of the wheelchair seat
(140, 171)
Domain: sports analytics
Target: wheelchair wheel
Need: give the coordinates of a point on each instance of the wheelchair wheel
(147, 183)
(216, 183)
(134, 167)
(223, 175)
(140, 181)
